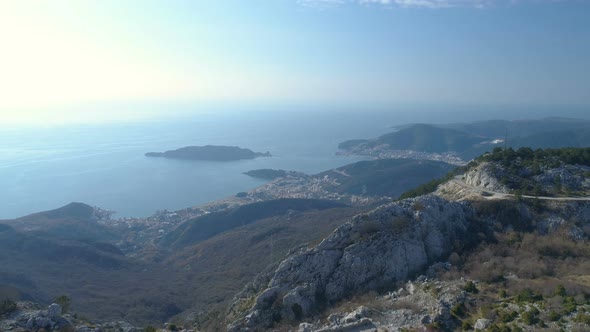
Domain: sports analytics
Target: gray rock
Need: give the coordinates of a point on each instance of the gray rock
(575, 233)
(486, 177)
(306, 327)
(356, 315)
(362, 325)
(54, 311)
(482, 324)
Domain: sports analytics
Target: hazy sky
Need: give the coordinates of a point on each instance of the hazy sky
(55, 54)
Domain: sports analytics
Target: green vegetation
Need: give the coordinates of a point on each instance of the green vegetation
(385, 177)
(470, 287)
(516, 161)
(530, 317)
(458, 310)
(527, 157)
(432, 185)
(528, 295)
(525, 279)
(65, 302)
(7, 306)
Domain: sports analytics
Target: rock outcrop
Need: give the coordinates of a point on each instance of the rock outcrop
(371, 252)
(28, 316)
(486, 176)
(418, 305)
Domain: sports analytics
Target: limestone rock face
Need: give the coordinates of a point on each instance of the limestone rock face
(374, 250)
(486, 177)
(30, 317)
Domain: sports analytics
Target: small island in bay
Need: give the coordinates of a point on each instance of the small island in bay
(210, 152)
(270, 174)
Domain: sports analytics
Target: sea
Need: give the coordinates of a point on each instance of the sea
(103, 164)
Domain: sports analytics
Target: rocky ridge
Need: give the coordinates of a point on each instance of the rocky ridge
(373, 251)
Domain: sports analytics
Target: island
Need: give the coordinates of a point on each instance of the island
(210, 153)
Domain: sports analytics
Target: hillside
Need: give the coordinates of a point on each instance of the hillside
(204, 227)
(524, 264)
(384, 177)
(75, 221)
(420, 137)
(465, 141)
(40, 266)
(362, 183)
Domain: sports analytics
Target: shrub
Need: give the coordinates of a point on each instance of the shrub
(149, 329)
(64, 301)
(569, 305)
(7, 306)
(560, 291)
(458, 310)
(297, 311)
(466, 325)
(507, 317)
(470, 287)
(529, 317)
(499, 328)
(582, 318)
(554, 316)
(527, 295)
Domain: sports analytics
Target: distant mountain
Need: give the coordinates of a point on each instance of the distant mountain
(420, 137)
(468, 140)
(209, 152)
(498, 129)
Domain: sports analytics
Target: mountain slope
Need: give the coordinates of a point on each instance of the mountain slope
(421, 137)
(75, 221)
(534, 250)
(204, 227)
(385, 177)
(373, 251)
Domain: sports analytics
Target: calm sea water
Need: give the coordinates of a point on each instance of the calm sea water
(104, 165)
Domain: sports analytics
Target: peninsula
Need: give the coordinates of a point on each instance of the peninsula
(209, 152)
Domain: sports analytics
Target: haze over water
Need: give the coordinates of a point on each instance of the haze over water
(43, 168)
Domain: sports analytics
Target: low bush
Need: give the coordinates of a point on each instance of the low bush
(7, 306)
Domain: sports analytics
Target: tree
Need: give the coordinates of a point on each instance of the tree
(64, 301)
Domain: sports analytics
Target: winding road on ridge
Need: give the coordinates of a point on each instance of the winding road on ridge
(487, 194)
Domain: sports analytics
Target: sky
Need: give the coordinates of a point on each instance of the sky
(73, 60)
